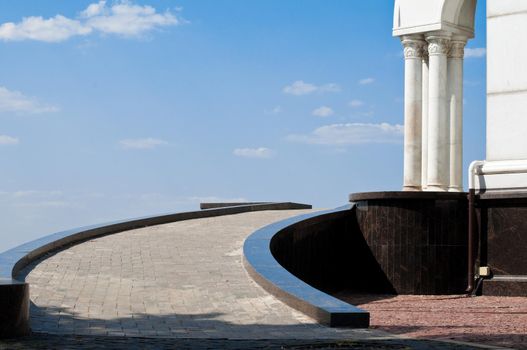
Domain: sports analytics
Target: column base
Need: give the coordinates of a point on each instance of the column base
(455, 189)
(412, 188)
(436, 188)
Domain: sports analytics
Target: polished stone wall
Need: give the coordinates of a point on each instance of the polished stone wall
(504, 243)
(419, 239)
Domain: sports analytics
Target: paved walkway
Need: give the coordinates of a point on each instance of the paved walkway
(178, 280)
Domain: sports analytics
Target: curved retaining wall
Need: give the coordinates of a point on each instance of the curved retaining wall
(14, 295)
(418, 238)
(294, 243)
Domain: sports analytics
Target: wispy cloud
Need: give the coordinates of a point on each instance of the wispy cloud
(351, 133)
(356, 103)
(8, 140)
(36, 198)
(366, 81)
(122, 18)
(299, 88)
(275, 110)
(15, 101)
(215, 199)
(43, 204)
(261, 152)
(323, 111)
(36, 193)
(146, 143)
(476, 52)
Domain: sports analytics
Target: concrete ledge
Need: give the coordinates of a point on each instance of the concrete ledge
(268, 273)
(14, 295)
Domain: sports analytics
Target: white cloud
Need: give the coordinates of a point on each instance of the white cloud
(15, 101)
(366, 81)
(331, 87)
(55, 29)
(299, 88)
(323, 111)
(94, 9)
(356, 103)
(8, 140)
(476, 52)
(146, 143)
(126, 19)
(121, 18)
(260, 152)
(352, 133)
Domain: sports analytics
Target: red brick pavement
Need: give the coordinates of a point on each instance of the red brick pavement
(500, 321)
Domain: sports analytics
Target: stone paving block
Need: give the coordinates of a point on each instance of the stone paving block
(179, 280)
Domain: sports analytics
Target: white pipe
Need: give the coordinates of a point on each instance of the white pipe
(480, 167)
(474, 168)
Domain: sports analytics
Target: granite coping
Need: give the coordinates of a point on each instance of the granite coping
(416, 195)
(266, 271)
(213, 205)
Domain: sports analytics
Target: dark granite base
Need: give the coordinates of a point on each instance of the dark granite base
(418, 238)
(511, 288)
(505, 227)
(14, 303)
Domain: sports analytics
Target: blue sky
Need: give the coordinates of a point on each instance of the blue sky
(112, 110)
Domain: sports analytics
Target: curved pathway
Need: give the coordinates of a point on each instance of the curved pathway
(178, 280)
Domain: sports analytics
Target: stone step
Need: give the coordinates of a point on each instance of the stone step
(506, 285)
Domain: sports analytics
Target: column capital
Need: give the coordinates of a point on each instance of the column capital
(438, 45)
(425, 52)
(413, 46)
(457, 48)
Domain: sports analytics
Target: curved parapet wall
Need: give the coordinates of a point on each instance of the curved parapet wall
(259, 249)
(14, 295)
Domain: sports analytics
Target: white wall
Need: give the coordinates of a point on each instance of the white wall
(506, 79)
(506, 90)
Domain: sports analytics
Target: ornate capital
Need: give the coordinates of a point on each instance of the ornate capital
(425, 52)
(438, 46)
(413, 47)
(457, 49)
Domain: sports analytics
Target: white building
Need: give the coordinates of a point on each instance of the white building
(434, 33)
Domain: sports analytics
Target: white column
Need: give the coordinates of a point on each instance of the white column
(455, 91)
(438, 116)
(424, 136)
(413, 52)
